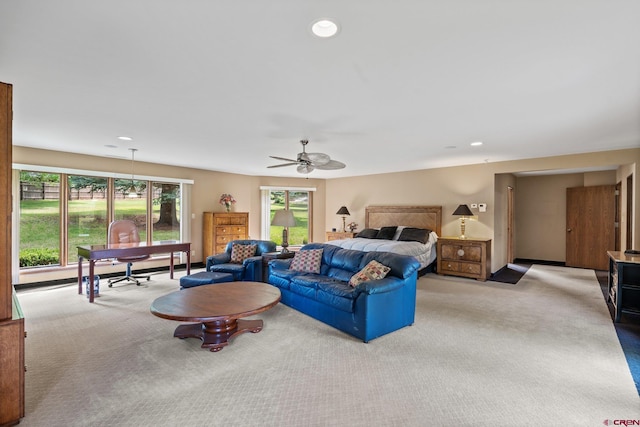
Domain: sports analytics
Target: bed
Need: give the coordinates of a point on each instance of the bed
(414, 219)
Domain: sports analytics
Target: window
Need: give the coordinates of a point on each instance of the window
(298, 201)
(166, 211)
(60, 211)
(87, 218)
(39, 219)
(130, 202)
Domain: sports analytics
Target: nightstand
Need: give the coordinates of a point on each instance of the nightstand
(337, 235)
(268, 256)
(466, 257)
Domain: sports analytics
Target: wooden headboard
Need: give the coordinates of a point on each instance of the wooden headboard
(411, 216)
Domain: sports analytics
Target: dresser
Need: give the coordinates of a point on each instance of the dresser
(219, 228)
(12, 334)
(466, 257)
(337, 235)
(624, 283)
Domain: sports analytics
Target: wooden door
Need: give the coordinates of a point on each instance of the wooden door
(590, 226)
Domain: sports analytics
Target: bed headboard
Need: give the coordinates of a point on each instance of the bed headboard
(411, 216)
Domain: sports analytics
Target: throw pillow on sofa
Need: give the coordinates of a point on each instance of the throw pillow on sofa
(241, 252)
(307, 261)
(372, 271)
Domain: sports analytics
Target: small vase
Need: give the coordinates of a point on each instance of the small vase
(227, 207)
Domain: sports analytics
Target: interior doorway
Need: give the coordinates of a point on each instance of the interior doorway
(629, 217)
(510, 224)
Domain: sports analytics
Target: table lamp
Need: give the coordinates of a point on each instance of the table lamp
(284, 218)
(463, 211)
(344, 212)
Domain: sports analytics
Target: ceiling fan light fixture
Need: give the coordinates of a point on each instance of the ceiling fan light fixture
(324, 28)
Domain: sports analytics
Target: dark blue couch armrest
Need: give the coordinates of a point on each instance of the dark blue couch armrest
(280, 264)
(380, 286)
(222, 258)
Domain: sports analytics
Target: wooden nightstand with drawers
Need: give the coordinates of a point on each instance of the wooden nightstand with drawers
(339, 235)
(466, 257)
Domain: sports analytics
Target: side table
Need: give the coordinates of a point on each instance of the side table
(268, 256)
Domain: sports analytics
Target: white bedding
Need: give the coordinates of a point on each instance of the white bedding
(425, 253)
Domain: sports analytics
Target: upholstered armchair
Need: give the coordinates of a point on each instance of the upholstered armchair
(241, 259)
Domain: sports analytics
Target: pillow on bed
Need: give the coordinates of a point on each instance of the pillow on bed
(386, 233)
(410, 234)
(368, 233)
(308, 261)
(372, 271)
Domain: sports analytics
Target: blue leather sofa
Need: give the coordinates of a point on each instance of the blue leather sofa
(251, 268)
(367, 311)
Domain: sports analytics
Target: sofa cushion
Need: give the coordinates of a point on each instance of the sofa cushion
(307, 261)
(337, 294)
(241, 252)
(372, 271)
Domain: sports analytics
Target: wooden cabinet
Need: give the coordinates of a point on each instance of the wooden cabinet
(624, 283)
(12, 367)
(219, 228)
(337, 235)
(464, 257)
(11, 320)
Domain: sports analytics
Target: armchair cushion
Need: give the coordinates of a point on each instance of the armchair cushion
(249, 269)
(241, 252)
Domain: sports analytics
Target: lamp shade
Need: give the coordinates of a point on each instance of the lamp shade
(284, 218)
(463, 210)
(343, 211)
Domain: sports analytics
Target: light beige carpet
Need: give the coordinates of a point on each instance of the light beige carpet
(543, 352)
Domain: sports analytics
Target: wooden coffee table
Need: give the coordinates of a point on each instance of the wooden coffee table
(217, 309)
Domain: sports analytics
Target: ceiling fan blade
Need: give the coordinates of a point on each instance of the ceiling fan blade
(285, 164)
(284, 159)
(333, 164)
(305, 168)
(318, 158)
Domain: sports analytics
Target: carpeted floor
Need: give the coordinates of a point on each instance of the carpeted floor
(543, 352)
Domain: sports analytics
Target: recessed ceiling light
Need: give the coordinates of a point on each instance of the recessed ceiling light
(477, 143)
(324, 28)
(125, 138)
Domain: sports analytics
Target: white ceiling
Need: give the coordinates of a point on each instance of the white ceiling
(405, 85)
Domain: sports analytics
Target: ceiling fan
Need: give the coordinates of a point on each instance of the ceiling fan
(307, 162)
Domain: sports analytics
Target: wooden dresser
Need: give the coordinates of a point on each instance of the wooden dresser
(219, 228)
(464, 257)
(338, 235)
(12, 333)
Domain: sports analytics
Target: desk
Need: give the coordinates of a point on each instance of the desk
(94, 253)
(624, 283)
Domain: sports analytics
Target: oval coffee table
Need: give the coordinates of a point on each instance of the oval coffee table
(217, 308)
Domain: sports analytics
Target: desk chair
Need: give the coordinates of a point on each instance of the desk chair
(125, 231)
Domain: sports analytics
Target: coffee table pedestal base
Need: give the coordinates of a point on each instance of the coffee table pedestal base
(216, 335)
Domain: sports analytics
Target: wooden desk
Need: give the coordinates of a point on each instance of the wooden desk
(624, 283)
(93, 253)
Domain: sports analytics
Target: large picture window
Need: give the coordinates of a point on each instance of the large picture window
(60, 211)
